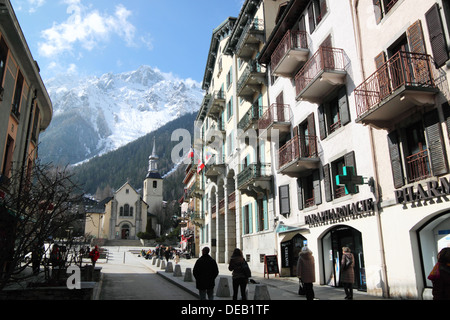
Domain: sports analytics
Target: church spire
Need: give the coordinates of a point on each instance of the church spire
(152, 160)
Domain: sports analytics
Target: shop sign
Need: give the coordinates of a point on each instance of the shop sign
(360, 209)
(434, 189)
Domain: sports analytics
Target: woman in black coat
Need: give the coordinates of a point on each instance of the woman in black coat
(240, 278)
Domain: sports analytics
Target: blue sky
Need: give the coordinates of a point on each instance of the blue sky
(93, 37)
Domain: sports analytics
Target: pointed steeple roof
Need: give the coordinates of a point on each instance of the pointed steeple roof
(153, 163)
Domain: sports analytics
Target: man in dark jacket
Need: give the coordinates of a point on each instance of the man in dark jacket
(205, 272)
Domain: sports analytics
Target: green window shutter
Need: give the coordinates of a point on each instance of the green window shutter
(250, 218)
(266, 213)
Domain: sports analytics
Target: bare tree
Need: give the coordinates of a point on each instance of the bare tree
(37, 208)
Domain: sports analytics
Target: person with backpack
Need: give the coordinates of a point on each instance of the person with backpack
(347, 273)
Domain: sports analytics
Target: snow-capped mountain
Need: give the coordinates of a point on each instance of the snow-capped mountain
(95, 115)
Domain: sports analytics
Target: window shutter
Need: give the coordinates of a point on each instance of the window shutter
(383, 75)
(437, 37)
(378, 11)
(266, 213)
(312, 25)
(344, 110)
(327, 182)
(436, 147)
(250, 218)
(316, 185)
(299, 194)
(284, 200)
(322, 124)
(380, 60)
(446, 111)
(396, 160)
(350, 161)
(243, 220)
(415, 38)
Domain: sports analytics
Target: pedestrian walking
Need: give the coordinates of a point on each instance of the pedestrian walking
(347, 273)
(440, 276)
(167, 254)
(306, 272)
(241, 273)
(94, 255)
(205, 272)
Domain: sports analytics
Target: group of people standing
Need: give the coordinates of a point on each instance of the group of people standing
(206, 271)
(307, 274)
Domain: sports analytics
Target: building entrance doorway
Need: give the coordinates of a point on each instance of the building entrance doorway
(332, 243)
(289, 253)
(125, 232)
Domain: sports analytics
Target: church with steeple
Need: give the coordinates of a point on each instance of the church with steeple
(128, 212)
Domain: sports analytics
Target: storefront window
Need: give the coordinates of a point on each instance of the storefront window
(433, 236)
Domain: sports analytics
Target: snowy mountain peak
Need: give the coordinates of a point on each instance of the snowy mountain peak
(95, 115)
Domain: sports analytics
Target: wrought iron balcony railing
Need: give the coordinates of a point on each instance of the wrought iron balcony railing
(296, 149)
(292, 40)
(275, 113)
(253, 172)
(404, 69)
(250, 117)
(325, 59)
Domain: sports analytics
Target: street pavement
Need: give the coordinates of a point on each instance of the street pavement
(272, 287)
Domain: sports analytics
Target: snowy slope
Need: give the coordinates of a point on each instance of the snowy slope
(95, 115)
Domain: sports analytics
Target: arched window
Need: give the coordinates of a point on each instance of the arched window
(126, 210)
(121, 212)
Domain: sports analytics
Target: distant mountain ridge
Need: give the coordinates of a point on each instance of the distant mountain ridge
(95, 115)
(130, 162)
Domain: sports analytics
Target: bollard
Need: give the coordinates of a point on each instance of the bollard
(169, 267)
(188, 275)
(261, 292)
(159, 263)
(223, 290)
(154, 261)
(177, 271)
(163, 265)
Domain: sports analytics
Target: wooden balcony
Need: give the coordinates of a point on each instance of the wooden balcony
(324, 72)
(254, 179)
(298, 156)
(251, 37)
(277, 117)
(402, 83)
(251, 81)
(291, 53)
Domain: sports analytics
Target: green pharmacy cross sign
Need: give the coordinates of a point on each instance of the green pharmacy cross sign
(350, 180)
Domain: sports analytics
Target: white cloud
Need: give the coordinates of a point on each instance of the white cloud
(87, 28)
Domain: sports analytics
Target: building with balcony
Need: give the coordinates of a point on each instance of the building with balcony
(403, 100)
(316, 143)
(25, 112)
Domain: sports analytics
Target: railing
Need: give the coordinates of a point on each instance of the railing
(297, 148)
(232, 200)
(418, 166)
(290, 41)
(250, 116)
(325, 59)
(403, 69)
(253, 171)
(254, 25)
(252, 67)
(275, 113)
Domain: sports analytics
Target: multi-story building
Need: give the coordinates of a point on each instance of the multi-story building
(313, 65)
(25, 111)
(334, 119)
(403, 100)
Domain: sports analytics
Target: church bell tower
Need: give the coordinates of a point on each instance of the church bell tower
(153, 183)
